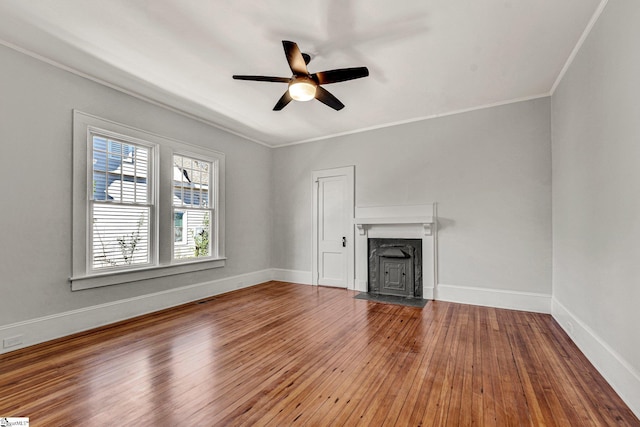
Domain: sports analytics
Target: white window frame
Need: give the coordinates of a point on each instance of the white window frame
(213, 207)
(82, 277)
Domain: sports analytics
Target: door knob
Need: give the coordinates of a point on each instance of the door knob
(344, 242)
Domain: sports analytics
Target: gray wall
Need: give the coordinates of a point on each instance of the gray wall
(596, 183)
(36, 102)
(489, 171)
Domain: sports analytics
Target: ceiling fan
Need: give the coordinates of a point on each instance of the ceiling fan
(304, 86)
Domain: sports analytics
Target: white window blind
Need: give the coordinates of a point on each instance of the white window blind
(120, 204)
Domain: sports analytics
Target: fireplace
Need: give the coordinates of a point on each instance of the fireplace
(408, 253)
(395, 267)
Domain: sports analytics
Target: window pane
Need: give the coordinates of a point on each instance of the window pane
(99, 186)
(99, 161)
(114, 187)
(187, 196)
(115, 147)
(122, 174)
(195, 178)
(191, 179)
(128, 190)
(179, 236)
(120, 235)
(177, 196)
(196, 231)
(204, 199)
(99, 143)
(140, 160)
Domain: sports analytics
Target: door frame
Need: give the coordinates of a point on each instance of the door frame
(349, 172)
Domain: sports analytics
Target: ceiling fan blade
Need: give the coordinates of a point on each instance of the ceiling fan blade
(326, 98)
(294, 58)
(263, 78)
(340, 75)
(283, 101)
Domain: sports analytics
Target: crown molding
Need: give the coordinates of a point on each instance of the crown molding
(578, 46)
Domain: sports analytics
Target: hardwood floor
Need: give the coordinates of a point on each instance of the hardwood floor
(280, 354)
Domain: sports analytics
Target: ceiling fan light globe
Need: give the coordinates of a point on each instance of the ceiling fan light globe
(302, 90)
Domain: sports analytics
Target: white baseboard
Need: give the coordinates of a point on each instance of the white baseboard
(428, 293)
(624, 379)
(47, 328)
(293, 276)
(360, 285)
(498, 298)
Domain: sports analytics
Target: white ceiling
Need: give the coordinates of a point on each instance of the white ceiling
(426, 57)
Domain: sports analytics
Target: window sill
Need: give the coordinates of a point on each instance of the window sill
(115, 278)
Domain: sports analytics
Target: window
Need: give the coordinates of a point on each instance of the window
(122, 230)
(120, 203)
(192, 178)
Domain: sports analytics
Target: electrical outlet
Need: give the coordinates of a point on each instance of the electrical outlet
(12, 341)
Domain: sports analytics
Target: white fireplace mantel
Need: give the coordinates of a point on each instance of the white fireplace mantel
(425, 221)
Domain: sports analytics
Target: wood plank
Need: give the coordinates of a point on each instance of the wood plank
(490, 392)
(285, 354)
(329, 387)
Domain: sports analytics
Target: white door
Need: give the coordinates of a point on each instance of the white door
(333, 227)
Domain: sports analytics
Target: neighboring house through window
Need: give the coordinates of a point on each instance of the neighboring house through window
(122, 225)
